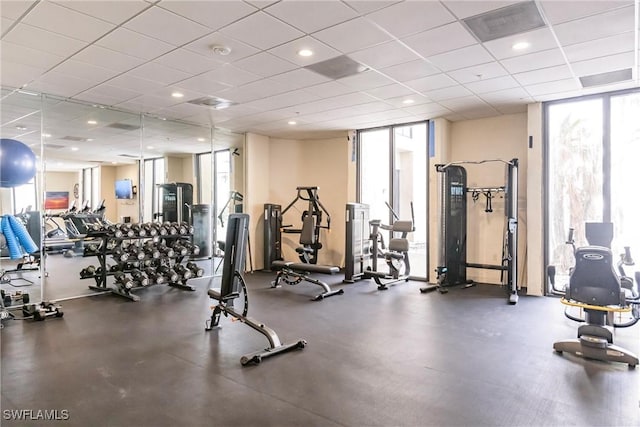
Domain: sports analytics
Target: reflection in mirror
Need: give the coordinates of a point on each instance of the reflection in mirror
(88, 150)
(20, 236)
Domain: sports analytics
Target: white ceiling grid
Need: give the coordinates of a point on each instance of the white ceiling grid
(134, 54)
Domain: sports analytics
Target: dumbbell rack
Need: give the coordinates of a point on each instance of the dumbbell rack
(101, 279)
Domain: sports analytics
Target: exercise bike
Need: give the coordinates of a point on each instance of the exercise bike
(396, 255)
(606, 297)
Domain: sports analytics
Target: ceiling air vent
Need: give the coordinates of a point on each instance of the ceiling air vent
(337, 68)
(54, 146)
(606, 78)
(212, 102)
(73, 138)
(131, 156)
(123, 126)
(506, 21)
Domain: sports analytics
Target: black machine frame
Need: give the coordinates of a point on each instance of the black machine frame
(452, 217)
(233, 285)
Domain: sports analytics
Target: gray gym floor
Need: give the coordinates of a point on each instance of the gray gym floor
(374, 358)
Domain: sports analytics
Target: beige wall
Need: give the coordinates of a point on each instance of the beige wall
(107, 192)
(257, 191)
(61, 181)
(503, 137)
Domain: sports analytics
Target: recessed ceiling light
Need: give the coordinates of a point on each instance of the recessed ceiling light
(89, 139)
(221, 50)
(20, 127)
(408, 101)
(46, 135)
(305, 52)
(177, 94)
(150, 147)
(292, 122)
(74, 148)
(200, 139)
(520, 45)
(92, 122)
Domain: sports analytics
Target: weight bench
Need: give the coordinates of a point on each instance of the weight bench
(293, 273)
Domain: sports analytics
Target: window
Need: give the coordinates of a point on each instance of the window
(392, 168)
(153, 174)
(592, 147)
(23, 197)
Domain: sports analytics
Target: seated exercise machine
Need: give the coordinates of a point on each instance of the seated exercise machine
(452, 241)
(607, 298)
(312, 222)
(396, 257)
(233, 292)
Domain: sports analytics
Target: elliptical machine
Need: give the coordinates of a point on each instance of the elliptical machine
(397, 255)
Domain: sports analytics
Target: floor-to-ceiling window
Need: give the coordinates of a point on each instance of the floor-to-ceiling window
(392, 169)
(153, 174)
(592, 149)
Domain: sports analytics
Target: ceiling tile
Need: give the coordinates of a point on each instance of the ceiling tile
(448, 93)
(384, 55)
(107, 58)
(261, 4)
(27, 56)
(516, 94)
(431, 83)
(262, 31)
(15, 9)
(601, 47)
(253, 91)
(366, 80)
(533, 61)
(464, 103)
(265, 64)
(61, 84)
(403, 19)
(230, 75)
(552, 87)
(289, 51)
(562, 11)
(410, 70)
(39, 39)
(58, 19)
(113, 11)
(166, 26)
(85, 71)
(282, 100)
(603, 64)
(5, 24)
(352, 35)
(204, 45)
(511, 109)
(540, 39)
(431, 108)
(134, 44)
(390, 91)
(159, 73)
(213, 14)
(491, 85)
(461, 58)
(550, 74)
(408, 100)
(18, 75)
(466, 8)
(203, 84)
(133, 83)
(448, 37)
(299, 78)
(484, 71)
(594, 27)
(106, 90)
(311, 16)
(189, 62)
(329, 89)
(367, 6)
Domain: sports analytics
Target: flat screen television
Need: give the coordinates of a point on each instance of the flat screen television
(124, 189)
(56, 200)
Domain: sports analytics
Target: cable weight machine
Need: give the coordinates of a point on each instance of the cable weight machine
(452, 243)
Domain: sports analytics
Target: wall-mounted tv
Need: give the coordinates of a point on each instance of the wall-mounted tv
(56, 200)
(124, 189)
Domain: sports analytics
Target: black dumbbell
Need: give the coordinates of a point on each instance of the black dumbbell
(179, 249)
(140, 278)
(168, 273)
(183, 272)
(120, 255)
(195, 269)
(193, 249)
(154, 276)
(123, 280)
(88, 272)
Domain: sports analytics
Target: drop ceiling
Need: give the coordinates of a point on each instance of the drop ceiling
(420, 59)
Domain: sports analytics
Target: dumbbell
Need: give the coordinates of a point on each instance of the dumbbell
(193, 249)
(127, 230)
(123, 280)
(149, 229)
(168, 273)
(188, 227)
(140, 278)
(87, 271)
(136, 252)
(179, 249)
(195, 269)
(139, 230)
(120, 255)
(115, 267)
(154, 276)
(167, 251)
(170, 227)
(91, 248)
(183, 271)
(111, 244)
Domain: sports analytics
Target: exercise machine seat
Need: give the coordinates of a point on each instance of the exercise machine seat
(309, 268)
(594, 279)
(402, 226)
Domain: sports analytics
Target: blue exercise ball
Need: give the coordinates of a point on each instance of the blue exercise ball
(17, 163)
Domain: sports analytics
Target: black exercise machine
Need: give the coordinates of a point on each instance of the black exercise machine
(602, 294)
(176, 199)
(233, 286)
(452, 253)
